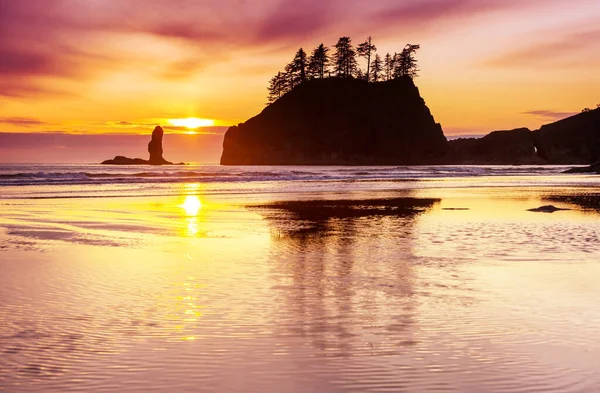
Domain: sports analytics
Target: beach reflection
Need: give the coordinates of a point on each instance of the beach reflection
(190, 292)
(344, 270)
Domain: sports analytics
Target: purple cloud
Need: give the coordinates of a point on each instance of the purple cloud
(21, 121)
(71, 39)
(562, 51)
(549, 114)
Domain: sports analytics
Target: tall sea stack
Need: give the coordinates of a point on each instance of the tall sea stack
(337, 121)
(155, 147)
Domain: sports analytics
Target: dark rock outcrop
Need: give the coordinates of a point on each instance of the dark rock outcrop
(547, 209)
(514, 147)
(575, 140)
(122, 160)
(154, 148)
(594, 168)
(337, 122)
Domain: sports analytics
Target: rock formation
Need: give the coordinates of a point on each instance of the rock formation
(514, 147)
(594, 168)
(575, 140)
(546, 209)
(350, 122)
(154, 148)
(337, 121)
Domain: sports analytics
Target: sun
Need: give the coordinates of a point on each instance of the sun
(192, 122)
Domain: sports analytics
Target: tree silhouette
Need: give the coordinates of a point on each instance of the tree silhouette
(406, 64)
(365, 49)
(297, 68)
(345, 58)
(319, 61)
(277, 87)
(344, 65)
(376, 68)
(388, 67)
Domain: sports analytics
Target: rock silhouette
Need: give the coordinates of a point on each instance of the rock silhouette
(155, 150)
(339, 121)
(497, 148)
(574, 140)
(547, 209)
(594, 168)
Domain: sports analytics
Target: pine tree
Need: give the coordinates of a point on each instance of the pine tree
(406, 64)
(388, 67)
(376, 68)
(277, 87)
(365, 50)
(319, 62)
(345, 58)
(296, 70)
(298, 67)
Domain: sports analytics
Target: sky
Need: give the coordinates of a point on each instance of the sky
(80, 69)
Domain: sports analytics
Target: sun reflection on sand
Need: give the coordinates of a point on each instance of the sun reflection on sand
(192, 206)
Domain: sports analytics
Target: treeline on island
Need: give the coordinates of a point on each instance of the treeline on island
(344, 63)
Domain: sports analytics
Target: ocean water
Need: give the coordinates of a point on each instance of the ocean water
(298, 279)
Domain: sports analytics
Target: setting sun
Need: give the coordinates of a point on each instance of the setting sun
(192, 122)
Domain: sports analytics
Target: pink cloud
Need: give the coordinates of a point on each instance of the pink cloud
(562, 51)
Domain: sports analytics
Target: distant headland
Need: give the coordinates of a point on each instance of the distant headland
(155, 150)
(326, 110)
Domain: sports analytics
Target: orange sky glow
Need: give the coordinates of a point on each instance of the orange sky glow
(121, 67)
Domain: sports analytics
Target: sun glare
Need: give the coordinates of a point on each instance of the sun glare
(192, 122)
(192, 205)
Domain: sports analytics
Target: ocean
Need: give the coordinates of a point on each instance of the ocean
(205, 278)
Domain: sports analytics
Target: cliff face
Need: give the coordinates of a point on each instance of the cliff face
(336, 122)
(497, 148)
(575, 140)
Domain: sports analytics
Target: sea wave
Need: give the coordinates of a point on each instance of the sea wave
(90, 174)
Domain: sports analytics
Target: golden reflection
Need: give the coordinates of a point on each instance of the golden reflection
(192, 205)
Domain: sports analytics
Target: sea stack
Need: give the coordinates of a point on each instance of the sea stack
(155, 150)
(339, 121)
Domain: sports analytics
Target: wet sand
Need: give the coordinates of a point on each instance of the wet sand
(456, 289)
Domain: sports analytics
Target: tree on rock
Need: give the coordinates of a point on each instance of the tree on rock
(298, 67)
(376, 69)
(319, 61)
(406, 63)
(277, 87)
(345, 58)
(388, 67)
(365, 50)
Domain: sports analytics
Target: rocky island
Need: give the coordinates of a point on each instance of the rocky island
(351, 122)
(376, 116)
(338, 121)
(155, 150)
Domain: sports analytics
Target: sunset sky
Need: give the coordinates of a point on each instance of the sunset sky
(120, 67)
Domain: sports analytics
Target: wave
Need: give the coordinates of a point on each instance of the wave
(80, 175)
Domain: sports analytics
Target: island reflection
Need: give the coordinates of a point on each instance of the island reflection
(344, 271)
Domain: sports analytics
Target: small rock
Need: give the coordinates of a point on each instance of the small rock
(546, 209)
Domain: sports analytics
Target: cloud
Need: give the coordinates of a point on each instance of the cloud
(22, 121)
(414, 12)
(548, 114)
(60, 38)
(563, 51)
